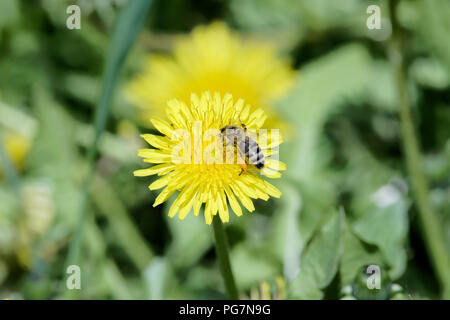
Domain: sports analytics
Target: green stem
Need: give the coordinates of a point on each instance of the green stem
(432, 232)
(224, 259)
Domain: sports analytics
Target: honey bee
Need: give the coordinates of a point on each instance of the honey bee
(248, 148)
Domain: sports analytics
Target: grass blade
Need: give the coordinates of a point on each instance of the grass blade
(131, 19)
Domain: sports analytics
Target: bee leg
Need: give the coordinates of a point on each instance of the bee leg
(243, 168)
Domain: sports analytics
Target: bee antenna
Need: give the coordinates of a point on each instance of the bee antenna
(242, 125)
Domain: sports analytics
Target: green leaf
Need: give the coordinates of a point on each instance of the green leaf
(319, 262)
(387, 228)
(355, 256)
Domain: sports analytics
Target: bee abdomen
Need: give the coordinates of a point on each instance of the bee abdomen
(254, 153)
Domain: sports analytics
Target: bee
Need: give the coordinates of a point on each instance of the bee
(248, 148)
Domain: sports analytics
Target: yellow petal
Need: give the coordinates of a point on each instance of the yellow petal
(184, 209)
(271, 190)
(173, 209)
(270, 152)
(275, 164)
(246, 202)
(184, 198)
(246, 189)
(270, 173)
(223, 207)
(233, 202)
(161, 182)
(153, 170)
(208, 214)
(244, 114)
(163, 196)
(162, 126)
(157, 141)
(197, 206)
(256, 185)
(256, 119)
(154, 156)
(270, 139)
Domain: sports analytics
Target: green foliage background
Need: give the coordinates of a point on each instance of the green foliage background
(347, 199)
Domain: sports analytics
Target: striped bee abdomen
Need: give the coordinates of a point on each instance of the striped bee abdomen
(253, 153)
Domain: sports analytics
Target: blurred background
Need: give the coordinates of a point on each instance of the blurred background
(347, 198)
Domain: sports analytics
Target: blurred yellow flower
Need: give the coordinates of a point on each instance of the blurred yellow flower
(267, 291)
(16, 147)
(216, 59)
(198, 178)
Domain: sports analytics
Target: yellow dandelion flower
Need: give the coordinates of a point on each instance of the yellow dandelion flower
(216, 59)
(198, 179)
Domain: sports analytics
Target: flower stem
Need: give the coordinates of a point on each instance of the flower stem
(432, 232)
(224, 259)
